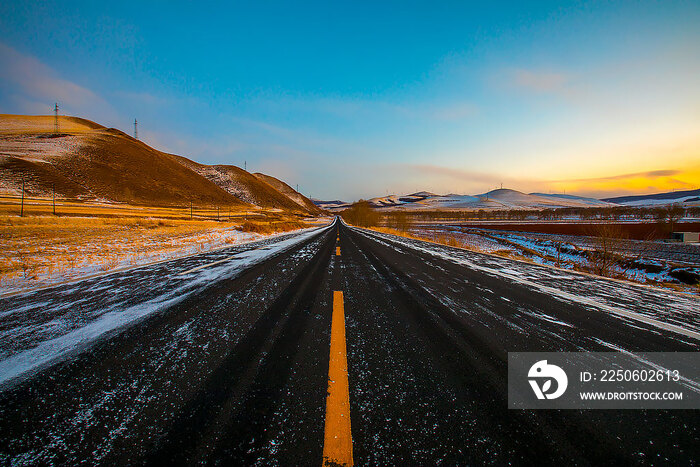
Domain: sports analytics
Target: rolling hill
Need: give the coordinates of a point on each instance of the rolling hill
(334, 205)
(85, 160)
(250, 188)
(671, 197)
(288, 191)
(495, 199)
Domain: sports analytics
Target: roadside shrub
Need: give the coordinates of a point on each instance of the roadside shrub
(361, 214)
(605, 259)
(254, 227)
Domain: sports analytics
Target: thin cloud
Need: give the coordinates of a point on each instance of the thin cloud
(446, 179)
(565, 86)
(450, 172)
(358, 108)
(542, 82)
(31, 82)
(455, 112)
(652, 174)
(454, 179)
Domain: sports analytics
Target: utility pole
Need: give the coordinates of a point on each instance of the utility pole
(54, 199)
(21, 209)
(55, 118)
(297, 188)
(245, 166)
(136, 129)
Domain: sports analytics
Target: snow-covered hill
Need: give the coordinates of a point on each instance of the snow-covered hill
(330, 205)
(496, 199)
(687, 197)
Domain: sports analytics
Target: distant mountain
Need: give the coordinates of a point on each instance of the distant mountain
(670, 197)
(512, 199)
(330, 205)
(88, 161)
(573, 198)
(495, 199)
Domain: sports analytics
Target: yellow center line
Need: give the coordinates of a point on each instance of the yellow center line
(337, 442)
(337, 251)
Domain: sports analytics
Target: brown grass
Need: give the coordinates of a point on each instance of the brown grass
(441, 239)
(36, 248)
(86, 160)
(272, 227)
(10, 206)
(289, 192)
(25, 124)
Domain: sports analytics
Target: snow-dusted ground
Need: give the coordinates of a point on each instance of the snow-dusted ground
(32, 149)
(127, 254)
(469, 240)
(39, 149)
(682, 253)
(653, 262)
(41, 327)
(676, 312)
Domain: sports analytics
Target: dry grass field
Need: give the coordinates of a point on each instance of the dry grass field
(11, 206)
(118, 202)
(83, 239)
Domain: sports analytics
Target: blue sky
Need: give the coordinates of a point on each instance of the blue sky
(355, 99)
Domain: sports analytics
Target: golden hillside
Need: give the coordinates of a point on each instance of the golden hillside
(85, 160)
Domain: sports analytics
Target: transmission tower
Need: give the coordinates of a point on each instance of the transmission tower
(136, 129)
(55, 118)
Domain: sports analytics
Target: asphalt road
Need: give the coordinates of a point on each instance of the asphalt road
(237, 371)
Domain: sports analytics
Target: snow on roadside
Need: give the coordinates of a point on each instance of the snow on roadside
(647, 262)
(29, 360)
(678, 313)
(149, 250)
